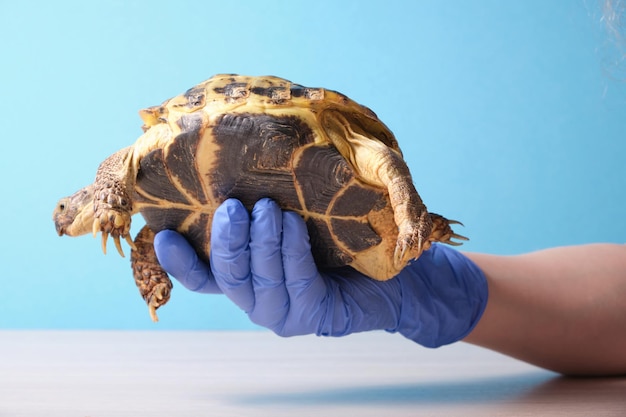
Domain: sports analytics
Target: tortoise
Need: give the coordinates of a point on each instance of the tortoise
(313, 150)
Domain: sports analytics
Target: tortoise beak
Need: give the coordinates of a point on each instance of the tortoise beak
(60, 228)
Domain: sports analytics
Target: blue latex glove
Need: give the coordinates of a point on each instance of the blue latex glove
(263, 263)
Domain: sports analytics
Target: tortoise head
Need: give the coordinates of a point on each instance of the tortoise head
(74, 215)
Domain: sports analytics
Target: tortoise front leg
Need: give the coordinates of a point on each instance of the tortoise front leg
(153, 283)
(112, 202)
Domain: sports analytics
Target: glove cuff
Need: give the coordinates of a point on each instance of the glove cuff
(444, 295)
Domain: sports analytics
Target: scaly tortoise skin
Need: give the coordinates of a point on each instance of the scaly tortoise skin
(312, 150)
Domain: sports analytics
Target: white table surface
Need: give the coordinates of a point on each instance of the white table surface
(177, 374)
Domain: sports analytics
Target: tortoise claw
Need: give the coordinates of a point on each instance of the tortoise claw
(115, 224)
(449, 241)
(130, 242)
(105, 236)
(443, 233)
(153, 314)
(118, 245)
(398, 254)
(160, 295)
(460, 237)
(96, 227)
(403, 252)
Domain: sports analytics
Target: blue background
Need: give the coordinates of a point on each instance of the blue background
(511, 116)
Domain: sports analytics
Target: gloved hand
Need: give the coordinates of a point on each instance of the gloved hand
(262, 261)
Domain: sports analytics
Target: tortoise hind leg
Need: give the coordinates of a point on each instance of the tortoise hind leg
(153, 283)
(377, 164)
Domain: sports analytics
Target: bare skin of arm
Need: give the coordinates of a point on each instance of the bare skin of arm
(562, 309)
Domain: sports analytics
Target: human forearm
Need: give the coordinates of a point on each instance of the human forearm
(563, 309)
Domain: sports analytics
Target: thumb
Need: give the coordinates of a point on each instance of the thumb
(180, 260)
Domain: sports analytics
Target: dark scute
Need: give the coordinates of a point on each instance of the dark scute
(195, 97)
(199, 235)
(255, 157)
(139, 198)
(325, 251)
(297, 90)
(322, 173)
(233, 90)
(153, 178)
(181, 161)
(277, 186)
(358, 200)
(267, 92)
(356, 235)
(190, 122)
(164, 218)
(307, 92)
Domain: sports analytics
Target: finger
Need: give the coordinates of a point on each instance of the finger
(230, 253)
(308, 292)
(266, 228)
(298, 262)
(271, 299)
(180, 260)
(335, 304)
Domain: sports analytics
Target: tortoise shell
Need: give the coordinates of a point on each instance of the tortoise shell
(249, 138)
